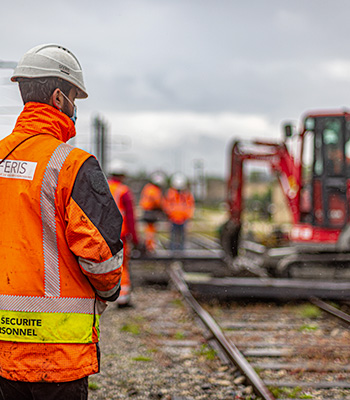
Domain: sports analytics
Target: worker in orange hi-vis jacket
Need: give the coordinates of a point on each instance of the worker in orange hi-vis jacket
(151, 202)
(124, 198)
(60, 251)
(179, 206)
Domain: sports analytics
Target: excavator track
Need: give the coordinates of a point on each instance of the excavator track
(291, 262)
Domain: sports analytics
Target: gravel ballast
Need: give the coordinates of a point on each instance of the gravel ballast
(156, 350)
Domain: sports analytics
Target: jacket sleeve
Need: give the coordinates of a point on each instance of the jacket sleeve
(93, 230)
(129, 217)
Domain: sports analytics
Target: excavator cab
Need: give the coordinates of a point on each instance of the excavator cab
(313, 167)
(324, 198)
(324, 194)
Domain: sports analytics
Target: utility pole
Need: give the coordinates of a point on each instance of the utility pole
(199, 181)
(100, 133)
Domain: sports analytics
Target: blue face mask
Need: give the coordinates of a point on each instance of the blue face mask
(74, 117)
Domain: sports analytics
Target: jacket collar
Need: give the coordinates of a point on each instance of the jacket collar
(39, 117)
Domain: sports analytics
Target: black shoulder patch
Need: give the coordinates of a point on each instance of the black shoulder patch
(91, 192)
(99, 182)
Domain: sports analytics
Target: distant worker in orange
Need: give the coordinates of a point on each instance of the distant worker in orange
(151, 202)
(125, 201)
(179, 206)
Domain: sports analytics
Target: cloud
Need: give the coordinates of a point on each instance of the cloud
(177, 80)
(168, 128)
(337, 69)
(173, 140)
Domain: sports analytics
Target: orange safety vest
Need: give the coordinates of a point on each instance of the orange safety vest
(179, 205)
(151, 197)
(49, 318)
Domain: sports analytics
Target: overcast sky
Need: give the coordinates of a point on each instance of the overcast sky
(177, 80)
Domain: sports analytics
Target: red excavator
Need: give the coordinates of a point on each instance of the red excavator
(313, 168)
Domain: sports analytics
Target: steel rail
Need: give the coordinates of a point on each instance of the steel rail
(229, 349)
(187, 254)
(342, 316)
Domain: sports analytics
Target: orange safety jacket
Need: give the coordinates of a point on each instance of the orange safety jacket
(179, 205)
(60, 251)
(151, 197)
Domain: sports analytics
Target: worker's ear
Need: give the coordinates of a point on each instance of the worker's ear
(56, 99)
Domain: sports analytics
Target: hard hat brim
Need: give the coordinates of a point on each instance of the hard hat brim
(82, 94)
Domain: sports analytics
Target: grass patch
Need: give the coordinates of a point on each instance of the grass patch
(179, 335)
(152, 351)
(310, 311)
(93, 385)
(291, 393)
(142, 358)
(308, 327)
(207, 352)
(177, 302)
(131, 328)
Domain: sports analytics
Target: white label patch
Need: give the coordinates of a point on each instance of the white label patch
(17, 169)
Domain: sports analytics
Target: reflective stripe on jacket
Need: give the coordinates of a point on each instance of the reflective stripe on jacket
(57, 261)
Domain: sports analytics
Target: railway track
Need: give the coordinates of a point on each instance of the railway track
(202, 255)
(285, 350)
(198, 247)
(207, 272)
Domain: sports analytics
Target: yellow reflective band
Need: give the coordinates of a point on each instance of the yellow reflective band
(37, 327)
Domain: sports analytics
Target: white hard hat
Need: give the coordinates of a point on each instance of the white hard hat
(158, 178)
(178, 181)
(117, 167)
(51, 60)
